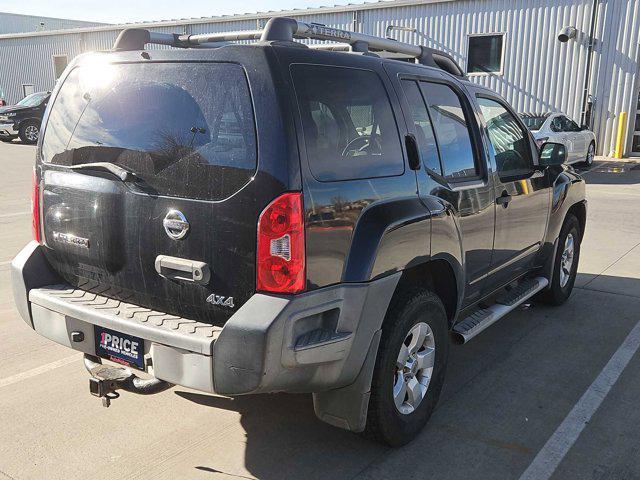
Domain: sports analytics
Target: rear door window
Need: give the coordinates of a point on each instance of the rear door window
(185, 130)
(423, 128)
(349, 128)
(452, 131)
(556, 124)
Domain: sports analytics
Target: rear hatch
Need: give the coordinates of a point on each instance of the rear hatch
(184, 136)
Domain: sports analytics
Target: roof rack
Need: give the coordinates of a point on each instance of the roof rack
(285, 29)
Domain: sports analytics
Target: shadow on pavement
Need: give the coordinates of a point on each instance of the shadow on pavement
(613, 173)
(284, 439)
(501, 402)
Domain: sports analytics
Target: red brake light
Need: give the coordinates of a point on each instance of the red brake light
(35, 209)
(281, 255)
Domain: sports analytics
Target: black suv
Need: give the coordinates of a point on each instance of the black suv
(273, 217)
(24, 118)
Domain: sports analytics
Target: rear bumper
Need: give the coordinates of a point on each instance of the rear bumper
(312, 342)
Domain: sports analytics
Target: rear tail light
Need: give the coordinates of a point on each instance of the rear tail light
(35, 209)
(281, 255)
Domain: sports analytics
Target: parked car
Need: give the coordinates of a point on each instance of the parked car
(24, 118)
(272, 217)
(557, 127)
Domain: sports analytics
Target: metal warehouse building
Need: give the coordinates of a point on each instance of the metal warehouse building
(510, 46)
(13, 23)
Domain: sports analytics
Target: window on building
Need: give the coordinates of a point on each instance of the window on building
(59, 64)
(349, 128)
(452, 131)
(423, 128)
(484, 54)
(509, 140)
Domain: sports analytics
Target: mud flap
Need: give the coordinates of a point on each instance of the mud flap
(347, 407)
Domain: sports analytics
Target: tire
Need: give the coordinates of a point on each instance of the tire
(591, 152)
(561, 285)
(27, 133)
(408, 313)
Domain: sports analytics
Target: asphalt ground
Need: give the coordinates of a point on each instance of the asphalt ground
(544, 393)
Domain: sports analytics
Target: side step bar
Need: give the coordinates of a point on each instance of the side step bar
(481, 319)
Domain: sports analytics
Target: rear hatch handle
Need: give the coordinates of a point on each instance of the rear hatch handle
(122, 173)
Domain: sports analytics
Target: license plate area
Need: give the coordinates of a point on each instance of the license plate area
(119, 347)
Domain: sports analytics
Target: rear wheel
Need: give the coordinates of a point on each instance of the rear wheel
(29, 132)
(565, 266)
(410, 368)
(591, 154)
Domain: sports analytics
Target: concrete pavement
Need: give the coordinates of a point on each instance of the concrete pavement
(506, 393)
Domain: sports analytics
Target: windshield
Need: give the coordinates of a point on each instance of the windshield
(33, 100)
(186, 131)
(534, 122)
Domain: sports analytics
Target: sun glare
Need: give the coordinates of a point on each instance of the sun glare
(96, 75)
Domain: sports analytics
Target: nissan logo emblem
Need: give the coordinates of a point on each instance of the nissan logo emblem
(175, 224)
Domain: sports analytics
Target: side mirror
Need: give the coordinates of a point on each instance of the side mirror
(552, 154)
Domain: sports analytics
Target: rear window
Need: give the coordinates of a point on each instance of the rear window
(533, 123)
(349, 128)
(187, 130)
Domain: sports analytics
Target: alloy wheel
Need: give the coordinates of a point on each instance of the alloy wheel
(414, 368)
(566, 261)
(31, 132)
(590, 154)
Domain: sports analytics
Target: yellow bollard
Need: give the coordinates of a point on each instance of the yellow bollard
(622, 126)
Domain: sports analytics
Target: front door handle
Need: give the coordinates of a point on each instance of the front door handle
(504, 199)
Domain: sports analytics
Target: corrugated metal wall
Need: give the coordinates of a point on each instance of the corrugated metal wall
(539, 73)
(14, 23)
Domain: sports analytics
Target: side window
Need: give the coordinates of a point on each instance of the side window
(556, 124)
(349, 128)
(510, 142)
(423, 128)
(452, 131)
(571, 125)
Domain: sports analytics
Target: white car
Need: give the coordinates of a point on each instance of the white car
(557, 127)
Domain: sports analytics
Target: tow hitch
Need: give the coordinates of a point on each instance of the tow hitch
(106, 379)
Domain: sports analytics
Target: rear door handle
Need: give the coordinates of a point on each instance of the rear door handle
(504, 199)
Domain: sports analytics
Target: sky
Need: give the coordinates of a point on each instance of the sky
(123, 11)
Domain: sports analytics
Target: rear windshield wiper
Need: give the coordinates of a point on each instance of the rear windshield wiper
(122, 173)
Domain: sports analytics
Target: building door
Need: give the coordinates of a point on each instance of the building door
(635, 146)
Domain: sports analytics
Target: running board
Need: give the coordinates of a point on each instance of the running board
(505, 303)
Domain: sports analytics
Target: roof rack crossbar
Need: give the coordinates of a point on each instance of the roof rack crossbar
(284, 29)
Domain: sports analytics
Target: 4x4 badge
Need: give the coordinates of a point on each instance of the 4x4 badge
(220, 300)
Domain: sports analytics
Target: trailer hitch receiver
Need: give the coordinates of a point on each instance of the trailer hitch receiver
(107, 379)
